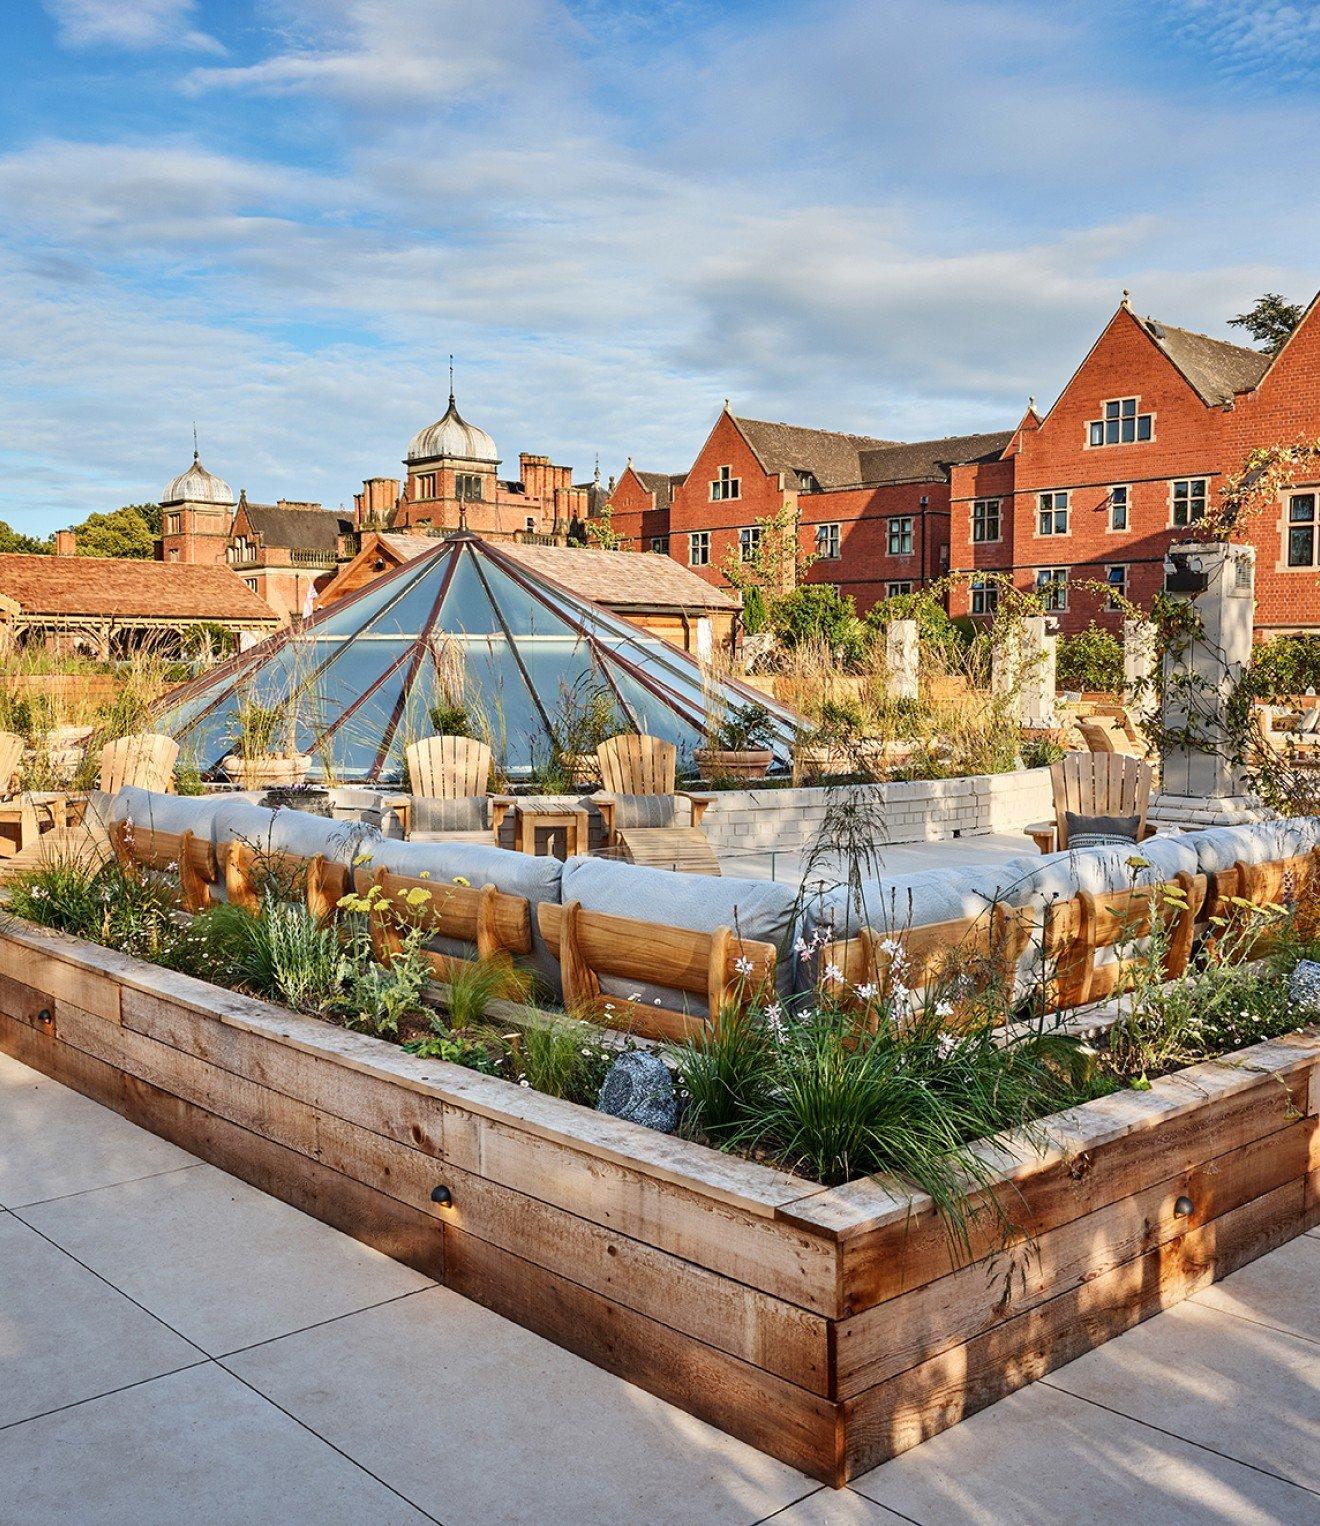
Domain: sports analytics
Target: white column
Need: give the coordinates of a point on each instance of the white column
(1139, 669)
(902, 656)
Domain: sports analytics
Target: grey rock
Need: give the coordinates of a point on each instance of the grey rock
(1304, 987)
(638, 1087)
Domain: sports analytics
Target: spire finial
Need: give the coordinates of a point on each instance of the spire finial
(451, 381)
(597, 477)
(1127, 297)
(1031, 403)
(726, 405)
(196, 457)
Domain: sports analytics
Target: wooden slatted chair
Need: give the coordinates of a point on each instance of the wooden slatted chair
(592, 944)
(456, 771)
(24, 815)
(1076, 931)
(983, 949)
(145, 760)
(1094, 784)
(497, 924)
(634, 766)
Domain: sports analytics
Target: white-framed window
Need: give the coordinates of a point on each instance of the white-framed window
(1052, 586)
(749, 542)
(1118, 508)
(893, 590)
(252, 583)
(426, 485)
(468, 486)
(726, 485)
(985, 596)
(900, 536)
(530, 524)
(1120, 424)
(1188, 500)
(658, 544)
(986, 516)
(1053, 514)
(1117, 579)
(1301, 529)
(827, 542)
(699, 548)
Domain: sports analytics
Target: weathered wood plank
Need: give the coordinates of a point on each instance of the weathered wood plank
(902, 1332)
(919, 1403)
(800, 1428)
(66, 980)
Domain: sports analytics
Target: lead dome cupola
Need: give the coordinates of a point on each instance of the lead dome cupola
(197, 485)
(452, 438)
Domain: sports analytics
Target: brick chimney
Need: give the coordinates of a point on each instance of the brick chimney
(66, 543)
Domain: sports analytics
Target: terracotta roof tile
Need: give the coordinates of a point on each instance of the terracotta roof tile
(1216, 368)
(928, 460)
(833, 459)
(122, 588)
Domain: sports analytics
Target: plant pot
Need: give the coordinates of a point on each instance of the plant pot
(265, 773)
(309, 798)
(715, 763)
(866, 757)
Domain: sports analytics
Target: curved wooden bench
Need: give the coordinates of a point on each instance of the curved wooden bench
(495, 922)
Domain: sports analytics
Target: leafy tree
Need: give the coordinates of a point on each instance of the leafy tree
(1270, 321)
(936, 632)
(755, 615)
(777, 561)
(15, 540)
(128, 532)
(600, 532)
(818, 611)
(1091, 661)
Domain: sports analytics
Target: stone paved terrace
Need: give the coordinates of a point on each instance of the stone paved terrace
(176, 1346)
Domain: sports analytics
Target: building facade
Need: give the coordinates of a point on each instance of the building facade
(1132, 456)
(285, 551)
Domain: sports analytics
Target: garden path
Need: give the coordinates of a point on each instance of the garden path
(176, 1346)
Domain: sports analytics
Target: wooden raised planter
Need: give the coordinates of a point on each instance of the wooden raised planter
(830, 1328)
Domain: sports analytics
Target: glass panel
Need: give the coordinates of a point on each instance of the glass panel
(351, 614)
(1301, 507)
(1143, 427)
(1301, 546)
(467, 609)
(408, 615)
(1111, 410)
(1129, 407)
(1111, 432)
(1129, 431)
(355, 744)
(1097, 433)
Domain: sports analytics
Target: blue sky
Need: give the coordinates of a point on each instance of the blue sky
(279, 218)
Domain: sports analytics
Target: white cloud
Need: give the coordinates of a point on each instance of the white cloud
(129, 24)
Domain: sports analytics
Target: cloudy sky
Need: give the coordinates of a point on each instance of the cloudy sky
(901, 217)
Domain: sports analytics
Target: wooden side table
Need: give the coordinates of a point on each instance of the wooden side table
(573, 821)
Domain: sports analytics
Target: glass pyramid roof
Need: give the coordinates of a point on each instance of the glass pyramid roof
(462, 623)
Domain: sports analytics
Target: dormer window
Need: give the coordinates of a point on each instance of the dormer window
(725, 486)
(807, 482)
(1121, 424)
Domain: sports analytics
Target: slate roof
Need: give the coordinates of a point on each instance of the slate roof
(834, 459)
(1216, 368)
(297, 526)
(927, 460)
(662, 484)
(123, 589)
(618, 579)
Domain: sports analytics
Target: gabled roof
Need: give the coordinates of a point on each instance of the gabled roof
(662, 484)
(832, 458)
(1214, 367)
(929, 460)
(619, 580)
(466, 617)
(296, 526)
(124, 589)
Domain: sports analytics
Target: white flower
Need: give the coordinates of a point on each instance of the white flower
(800, 947)
(890, 946)
(743, 966)
(946, 1044)
(869, 991)
(943, 1009)
(636, 996)
(833, 972)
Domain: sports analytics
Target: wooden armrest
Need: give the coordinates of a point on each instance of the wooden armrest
(1146, 831)
(500, 806)
(402, 808)
(698, 802)
(1043, 834)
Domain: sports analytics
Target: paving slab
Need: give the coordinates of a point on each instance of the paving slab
(1248, 1391)
(477, 1420)
(835, 1507)
(1281, 1289)
(54, 1141)
(197, 1446)
(218, 1261)
(65, 1335)
(1046, 1458)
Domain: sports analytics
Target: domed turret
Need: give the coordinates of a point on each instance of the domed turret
(197, 485)
(452, 438)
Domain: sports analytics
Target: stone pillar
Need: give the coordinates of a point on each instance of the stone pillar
(901, 658)
(1139, 669)
(1037, 671)
(1201, 783)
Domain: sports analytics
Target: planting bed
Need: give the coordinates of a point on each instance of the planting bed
(831, 1328)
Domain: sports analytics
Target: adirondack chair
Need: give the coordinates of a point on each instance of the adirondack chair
(1094, 784)
(640, 807)
(23, 816)
(451, 802)
(145, 760)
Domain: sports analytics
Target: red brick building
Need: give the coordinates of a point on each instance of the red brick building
(285, 551)
(1129, 459)
(874, 512)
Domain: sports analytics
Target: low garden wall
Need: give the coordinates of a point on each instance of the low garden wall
(832, 1328)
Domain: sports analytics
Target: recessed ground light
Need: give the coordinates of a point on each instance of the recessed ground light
(443, 1196)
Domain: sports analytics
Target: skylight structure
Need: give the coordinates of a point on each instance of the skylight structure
(462, 624)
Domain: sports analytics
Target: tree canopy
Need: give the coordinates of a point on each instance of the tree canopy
(1270, 321)
(14, 540)
(130, 531)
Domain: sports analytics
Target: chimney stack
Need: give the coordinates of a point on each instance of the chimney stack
(66, 543)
